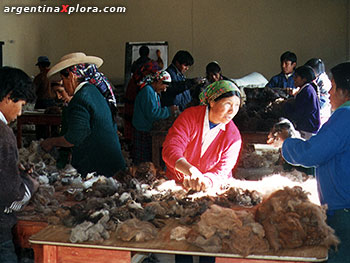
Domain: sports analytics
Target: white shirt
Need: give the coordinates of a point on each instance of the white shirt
(80, 86)
(209, 135)
(2, 118)
(288, 75)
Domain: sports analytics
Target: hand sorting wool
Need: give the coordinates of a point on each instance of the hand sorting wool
(196, 181)
(281, 131)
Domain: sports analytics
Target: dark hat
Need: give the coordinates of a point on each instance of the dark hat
(42, 59)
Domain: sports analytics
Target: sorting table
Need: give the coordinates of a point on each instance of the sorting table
(24, 229)
(52, 245)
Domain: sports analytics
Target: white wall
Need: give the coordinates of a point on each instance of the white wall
(242, 35)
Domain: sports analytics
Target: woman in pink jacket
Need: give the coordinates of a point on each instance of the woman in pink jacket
(203, 144)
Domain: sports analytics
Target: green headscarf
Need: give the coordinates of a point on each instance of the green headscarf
(215, 90)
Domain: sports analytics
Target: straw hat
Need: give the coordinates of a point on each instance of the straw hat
(74, 59)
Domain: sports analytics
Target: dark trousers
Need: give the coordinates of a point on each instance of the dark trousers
(142, 147)
(340, 222)
(189, 259)
(7, 252)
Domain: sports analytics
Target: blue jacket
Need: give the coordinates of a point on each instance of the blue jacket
(178, 92)
(147, 109)
(304, 110)
(329, 152)
(280, 81)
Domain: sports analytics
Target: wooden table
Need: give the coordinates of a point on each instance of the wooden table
(254, 137)
(37, 118)
(24, 229)
(52, 245)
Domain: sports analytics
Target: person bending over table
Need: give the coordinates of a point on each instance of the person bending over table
(329, 152)
(92, 128)
(203, 145)
(15, 188)
(147, 110)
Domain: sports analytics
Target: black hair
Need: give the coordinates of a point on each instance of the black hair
(17, 83)
(229, 94)
(213, 68)
(317, 64)
(65, 72)
(183, 57)
(289, 56)
(341, 76)
(305, 72)
(44, 64)
(308, 73)
(55, 84)
(144, 51)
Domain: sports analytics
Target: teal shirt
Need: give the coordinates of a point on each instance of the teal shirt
(93, 133)
(147, 109)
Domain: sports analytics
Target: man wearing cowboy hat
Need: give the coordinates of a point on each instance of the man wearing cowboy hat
(91, 127)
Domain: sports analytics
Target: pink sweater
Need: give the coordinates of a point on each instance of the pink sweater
(184, 139)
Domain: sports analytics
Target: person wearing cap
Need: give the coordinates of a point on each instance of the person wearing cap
(202, 147)
(44, 96)
(91, 116)
(16, 188)
(147, 110)
(329, 152)
(131, 91)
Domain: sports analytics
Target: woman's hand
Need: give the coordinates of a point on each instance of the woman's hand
(47, 144)
(282, 130)
(196, 181)
(193, 178)
(174, 110)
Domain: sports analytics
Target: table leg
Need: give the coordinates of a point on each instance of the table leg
(38, 253)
